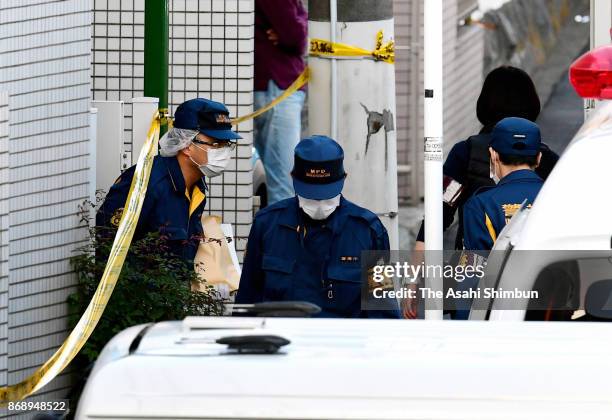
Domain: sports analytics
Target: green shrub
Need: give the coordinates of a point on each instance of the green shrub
(154, 285)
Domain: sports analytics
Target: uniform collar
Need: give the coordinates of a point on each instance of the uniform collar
(520, 175)
(176, 176)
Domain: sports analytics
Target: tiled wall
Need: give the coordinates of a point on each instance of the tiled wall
(45, 49)
(4, 239)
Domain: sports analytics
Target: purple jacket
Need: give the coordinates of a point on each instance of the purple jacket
(282, 63)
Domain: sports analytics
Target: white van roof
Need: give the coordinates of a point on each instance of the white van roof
(355, 369)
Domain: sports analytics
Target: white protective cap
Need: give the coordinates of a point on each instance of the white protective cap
(174, 140)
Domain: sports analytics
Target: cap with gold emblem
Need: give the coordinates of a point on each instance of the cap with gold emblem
(208, 117)
(318, 171)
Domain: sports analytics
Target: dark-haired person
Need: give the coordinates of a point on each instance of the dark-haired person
(506, 92)
(515, 153)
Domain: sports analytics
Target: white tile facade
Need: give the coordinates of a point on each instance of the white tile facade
(4, 238)
(45, 49)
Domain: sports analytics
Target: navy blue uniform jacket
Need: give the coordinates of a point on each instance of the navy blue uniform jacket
(290, 257)
(168, 207)
(491, 208)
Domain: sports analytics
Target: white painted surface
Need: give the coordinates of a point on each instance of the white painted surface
(109, 146)
(93, 143)
(434, 141)
(358, 369)
(333, 32)
(491, 4)
(143, 111)
(601, 23)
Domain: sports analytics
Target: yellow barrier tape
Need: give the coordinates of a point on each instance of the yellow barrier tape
(326, 49)
(294, 87)
(79, 335)
(321, 48)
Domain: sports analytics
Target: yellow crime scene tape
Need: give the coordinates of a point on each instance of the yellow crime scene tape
(294, 87)
(384, 51)
(80, 334)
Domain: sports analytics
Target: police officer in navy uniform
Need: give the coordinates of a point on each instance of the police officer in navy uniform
(309, 247)
(200, 143)
(515, 153)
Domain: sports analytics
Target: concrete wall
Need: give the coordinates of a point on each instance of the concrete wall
(535, 35)
(45, 70)
(211, 56)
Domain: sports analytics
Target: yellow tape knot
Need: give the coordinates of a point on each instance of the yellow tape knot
(384, 52)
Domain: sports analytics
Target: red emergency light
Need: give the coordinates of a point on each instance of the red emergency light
(591, 74)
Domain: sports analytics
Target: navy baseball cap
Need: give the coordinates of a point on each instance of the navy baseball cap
(318, 170)
(208, 117)
(516, 136)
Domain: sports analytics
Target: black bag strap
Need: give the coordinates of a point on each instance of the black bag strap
(478, 166)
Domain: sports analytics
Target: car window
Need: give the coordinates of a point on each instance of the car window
(563, 290)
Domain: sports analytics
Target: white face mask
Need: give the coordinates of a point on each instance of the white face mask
(319, 209)
(492, 173)
(217, 161)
